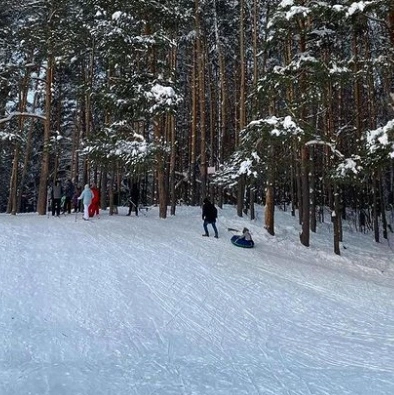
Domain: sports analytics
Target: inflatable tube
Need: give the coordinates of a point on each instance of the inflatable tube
(240, 242)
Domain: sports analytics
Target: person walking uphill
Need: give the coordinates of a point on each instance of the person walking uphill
(86, 197)
(209, 215)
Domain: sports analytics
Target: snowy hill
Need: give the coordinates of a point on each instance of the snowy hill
(139, 305)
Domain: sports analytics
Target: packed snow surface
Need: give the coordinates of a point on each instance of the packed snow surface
(140, 305)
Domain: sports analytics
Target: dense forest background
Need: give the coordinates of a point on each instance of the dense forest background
(282, 103)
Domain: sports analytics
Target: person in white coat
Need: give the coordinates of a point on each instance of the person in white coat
(86, 197)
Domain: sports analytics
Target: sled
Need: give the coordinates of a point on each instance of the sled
(240, 242)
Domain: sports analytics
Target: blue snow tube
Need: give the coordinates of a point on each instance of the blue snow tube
(240, 242)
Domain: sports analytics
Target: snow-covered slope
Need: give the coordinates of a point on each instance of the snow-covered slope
(139, 305)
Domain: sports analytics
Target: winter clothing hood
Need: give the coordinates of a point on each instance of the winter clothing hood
(86, 195)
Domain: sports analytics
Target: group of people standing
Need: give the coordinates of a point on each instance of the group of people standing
(62, 198)
(70, 197)
(90, 198)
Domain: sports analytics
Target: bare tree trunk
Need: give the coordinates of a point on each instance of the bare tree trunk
(241, 104)
(375, 191)
(312, 191)
(42, 188)
(111, 191)
(269, 189)
(201, 98)
(252, 205)
(161, 159)
(304, 236)
(193, 137)
(13, 193)
(172, 164)
(242, 86)
(88, 108)
(336, 218)
(28, 152)
(269, 204)
(103, 188)
(222, 114)
(74, 152)
(383, 202)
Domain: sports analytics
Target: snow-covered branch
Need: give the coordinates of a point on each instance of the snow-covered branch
(330, 145)
(21, 114)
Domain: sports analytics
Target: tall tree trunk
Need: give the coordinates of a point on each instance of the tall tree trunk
(270, 195)
(13, 193)
(241, 104)
(103, 188)
(42, 188)
(28, 152)
(270, 183)
(88, 107)
(375, 192)
(201, 99)
(161, 160)
(312, 191)
(252, 205)
(383, 203)
(172, 138)
(193, 132)
(240, 194)
(336, 218)
(304, 236)
(222, 108)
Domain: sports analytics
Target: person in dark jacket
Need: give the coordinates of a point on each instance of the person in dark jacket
(69, 193)
(76, 202)
(133, 200)
(209, 215)
(56, 196)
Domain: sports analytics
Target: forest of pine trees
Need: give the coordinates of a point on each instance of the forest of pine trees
(281, 103)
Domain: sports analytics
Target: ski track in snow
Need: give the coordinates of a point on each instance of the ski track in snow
(153, 308)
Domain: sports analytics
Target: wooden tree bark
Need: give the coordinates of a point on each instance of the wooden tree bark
(13, 193)
(335, 219)
(42, 189)
(305, 234)
(201, 99)
(269, 212)
(375, 193)
(312, 191)
(193, 131)
(172, 164)
(270, 195)
(89, 75)
(27, 152)
(172, 138)
(161, 162)
(241, 104)
(222, 109)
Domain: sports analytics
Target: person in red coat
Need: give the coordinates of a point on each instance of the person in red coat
(94, 207)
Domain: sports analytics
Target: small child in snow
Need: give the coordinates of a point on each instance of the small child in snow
(246, 234)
